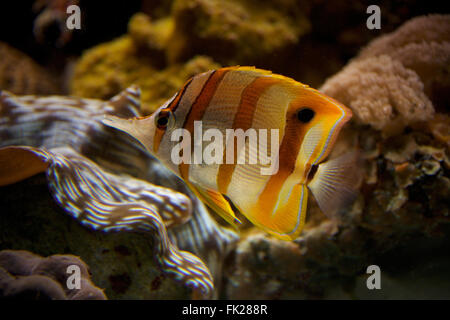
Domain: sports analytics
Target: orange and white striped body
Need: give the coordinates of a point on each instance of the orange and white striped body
(307, 123)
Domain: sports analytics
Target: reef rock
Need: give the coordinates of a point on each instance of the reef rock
(21, 75)
(235, 31)
(27, 275)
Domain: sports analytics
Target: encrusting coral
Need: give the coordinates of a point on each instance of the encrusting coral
(390, 83)
(235, 31)
(101, 178)
(27, 275)
(160, 55)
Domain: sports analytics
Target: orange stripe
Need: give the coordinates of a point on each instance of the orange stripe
(198, 109)
(242, 120)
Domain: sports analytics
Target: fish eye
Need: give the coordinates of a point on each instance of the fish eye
(164, 119)
(305, 115)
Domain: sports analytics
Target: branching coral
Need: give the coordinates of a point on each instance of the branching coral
(27, 275)
(161, 55)
(389, 85)
(101, 178)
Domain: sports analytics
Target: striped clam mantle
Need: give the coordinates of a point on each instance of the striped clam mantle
(108, 182)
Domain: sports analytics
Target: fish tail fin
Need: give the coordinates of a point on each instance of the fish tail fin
(336, 182)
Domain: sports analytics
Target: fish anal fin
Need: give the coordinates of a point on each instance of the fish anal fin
(19, 163)
(336, 182)
(216, 201)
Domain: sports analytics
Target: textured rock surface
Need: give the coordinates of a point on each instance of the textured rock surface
(137, 58)
(235, 31)
(20, 74)
(30, 276)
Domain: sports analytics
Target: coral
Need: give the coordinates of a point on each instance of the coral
(52, 12)
(160, 55)
(135, 59)
(390, 83)
(21, 75)
(401, 217)
(235, 31)
(404, 203)
(101, 178)
(27, 275)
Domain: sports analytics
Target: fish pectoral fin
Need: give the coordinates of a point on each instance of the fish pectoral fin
(216, 201)
(335, 183)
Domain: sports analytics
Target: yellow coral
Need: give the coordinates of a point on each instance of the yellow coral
(235, 32)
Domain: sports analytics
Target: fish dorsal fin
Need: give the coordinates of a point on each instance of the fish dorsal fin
(216, 201)
(19, 163)
(335, 183)
(127, 103)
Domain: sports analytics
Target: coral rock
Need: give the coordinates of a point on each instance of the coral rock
(390, 84)
(27, 275)
(21, 75)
